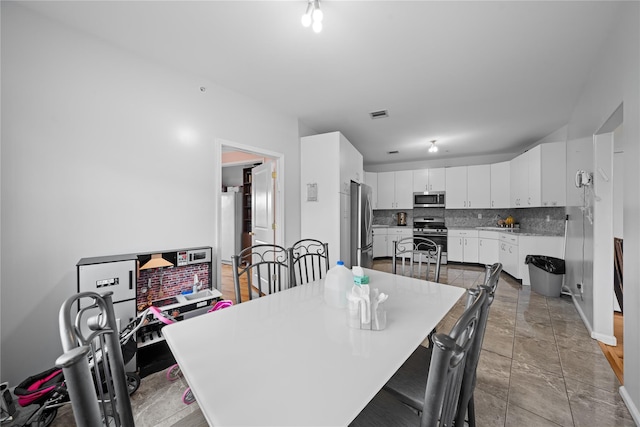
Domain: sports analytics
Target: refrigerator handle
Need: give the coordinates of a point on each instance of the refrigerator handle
(130, 279)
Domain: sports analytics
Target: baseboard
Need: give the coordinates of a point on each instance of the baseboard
(603, 338)
(633, 409)
(582, 315)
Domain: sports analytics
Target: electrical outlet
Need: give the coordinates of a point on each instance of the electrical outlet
(479, 216)
(548, 219)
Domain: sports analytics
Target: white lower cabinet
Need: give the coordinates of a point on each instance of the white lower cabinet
(396, 234)
(384, 237)
(508, 246)
(488, 247)
(462, 246)
(379, 242)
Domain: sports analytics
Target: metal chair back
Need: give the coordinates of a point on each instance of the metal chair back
(261, 270)
(418, 257)
(309, 261)
(451, 354)
(466, 406)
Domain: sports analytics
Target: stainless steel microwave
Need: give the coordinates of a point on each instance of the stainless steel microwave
(429, 199)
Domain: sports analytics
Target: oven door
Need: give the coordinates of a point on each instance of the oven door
(438, 239)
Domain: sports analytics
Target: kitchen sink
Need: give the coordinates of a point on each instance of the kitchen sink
(205, 293)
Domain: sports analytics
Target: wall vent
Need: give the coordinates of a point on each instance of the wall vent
(379, 114)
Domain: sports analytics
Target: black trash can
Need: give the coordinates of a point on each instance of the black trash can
(546, 274)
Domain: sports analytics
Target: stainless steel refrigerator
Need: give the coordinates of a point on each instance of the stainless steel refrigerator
(361, 225)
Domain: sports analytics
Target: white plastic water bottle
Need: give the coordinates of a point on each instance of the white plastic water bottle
(337, 283)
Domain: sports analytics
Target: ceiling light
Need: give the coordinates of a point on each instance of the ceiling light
(313, 15)
(306, 18)
(433, 148)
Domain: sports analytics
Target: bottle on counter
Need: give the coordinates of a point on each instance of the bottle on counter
(337, 283)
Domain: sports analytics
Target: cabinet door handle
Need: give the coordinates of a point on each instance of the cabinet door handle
(460, 242)
(492, 203)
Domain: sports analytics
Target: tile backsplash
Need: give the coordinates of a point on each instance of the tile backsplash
(549, 220)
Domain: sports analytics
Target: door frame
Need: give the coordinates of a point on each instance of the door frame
(278, 194)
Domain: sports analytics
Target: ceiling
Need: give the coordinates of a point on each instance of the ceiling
(481, 78)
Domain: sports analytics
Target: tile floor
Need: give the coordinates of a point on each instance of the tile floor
(538, 367)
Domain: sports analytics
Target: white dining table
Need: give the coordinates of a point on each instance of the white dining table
(289, 359)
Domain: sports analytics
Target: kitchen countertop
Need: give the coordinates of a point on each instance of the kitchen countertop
(518, 231)
(392, 226)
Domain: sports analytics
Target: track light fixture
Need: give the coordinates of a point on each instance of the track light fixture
(433, 148)
(313, 15)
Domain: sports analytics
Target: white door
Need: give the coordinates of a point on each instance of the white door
(262, 212)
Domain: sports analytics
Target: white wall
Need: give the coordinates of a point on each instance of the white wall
(105, 153)
(615, 80)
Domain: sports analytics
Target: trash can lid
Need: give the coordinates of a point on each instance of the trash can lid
(546, 263)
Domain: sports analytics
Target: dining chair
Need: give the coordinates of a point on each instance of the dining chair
(262, 270)
(408, 383)
(466, 401)
(418, 257)
(309, 261)
(441, 390)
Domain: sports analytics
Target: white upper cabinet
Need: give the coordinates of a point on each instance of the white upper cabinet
(468, 187)
(386, 190)
(500, 187)
(538, 177)
(553, 174)
(456, 186)
(371, 179)
(519, 171)
(394, 190)
(479, 186)
(437, 179)
(428, 180)
(404, 195)
(420, 180)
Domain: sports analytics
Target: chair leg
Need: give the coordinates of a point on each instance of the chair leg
(471, 413)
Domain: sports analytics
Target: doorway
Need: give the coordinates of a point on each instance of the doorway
(608, 237)
(237, 162)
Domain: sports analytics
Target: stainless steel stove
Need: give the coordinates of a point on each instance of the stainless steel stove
(432, 228)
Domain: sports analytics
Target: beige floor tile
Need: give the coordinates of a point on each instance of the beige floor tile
(589, 368)
(499, 339)
(518, 417)
(493, 374)
(541, 392)
(592, 406)
(536, 352)
(490, 410)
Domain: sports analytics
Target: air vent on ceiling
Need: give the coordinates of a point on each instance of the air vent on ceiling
(393, 152)
(379, 114)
